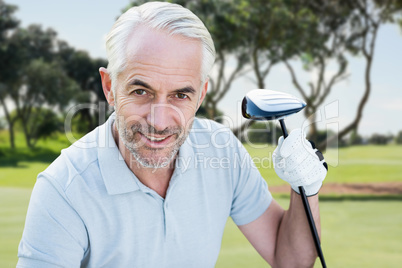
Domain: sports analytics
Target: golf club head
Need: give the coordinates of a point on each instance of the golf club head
(263, 104)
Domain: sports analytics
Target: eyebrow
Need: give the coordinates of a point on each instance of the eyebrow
(137, 82)
(188, 89)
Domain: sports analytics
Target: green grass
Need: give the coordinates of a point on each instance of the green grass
(13, 207)
(362, 233)
(354, 234)
(357, 231)
(358, 164)
(19, 167)
(361, 164)
(23, 175)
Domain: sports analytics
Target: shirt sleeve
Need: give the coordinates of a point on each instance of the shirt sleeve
(54, 234)
(251, 196)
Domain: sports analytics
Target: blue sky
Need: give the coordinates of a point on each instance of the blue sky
(83, 24)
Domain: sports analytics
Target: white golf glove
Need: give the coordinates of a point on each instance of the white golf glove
(297, 162)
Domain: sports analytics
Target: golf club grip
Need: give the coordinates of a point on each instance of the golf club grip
(307, 209)
(312, 226)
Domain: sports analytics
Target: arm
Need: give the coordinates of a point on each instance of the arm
(54, 234)
(283, 238)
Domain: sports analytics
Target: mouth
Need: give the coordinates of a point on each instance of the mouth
(156, 142)
(152, 138)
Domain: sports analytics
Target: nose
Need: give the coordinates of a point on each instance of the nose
(163, 115)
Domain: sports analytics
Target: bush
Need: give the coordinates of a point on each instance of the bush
(324, 135)
(380, 139)
(355, 139)
(262, 132)
(42, 124)
(79, 125)
(398, 138)
(3, 123)
(48, 124)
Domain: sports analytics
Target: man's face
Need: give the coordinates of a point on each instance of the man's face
(157, 95)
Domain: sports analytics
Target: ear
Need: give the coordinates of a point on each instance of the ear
(203, 93)
(107, 85)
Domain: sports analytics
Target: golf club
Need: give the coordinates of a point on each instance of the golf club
(263, 104)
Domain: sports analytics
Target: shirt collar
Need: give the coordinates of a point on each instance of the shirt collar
(185, 158)
(118, 178)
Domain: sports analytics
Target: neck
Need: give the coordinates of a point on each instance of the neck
(155, 178)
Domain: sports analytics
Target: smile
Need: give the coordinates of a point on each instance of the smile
(151, 138)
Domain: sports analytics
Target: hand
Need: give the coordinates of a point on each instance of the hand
(298, 162)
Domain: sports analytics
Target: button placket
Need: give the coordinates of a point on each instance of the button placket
(169, 228)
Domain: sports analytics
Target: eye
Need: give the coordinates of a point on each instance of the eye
(181, 96)
(139, 92)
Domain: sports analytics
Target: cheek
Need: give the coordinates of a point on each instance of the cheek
(127, 106)
(187, 112)
(131, 112)
(122, 103)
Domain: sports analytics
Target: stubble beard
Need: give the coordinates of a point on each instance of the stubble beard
(128, 134)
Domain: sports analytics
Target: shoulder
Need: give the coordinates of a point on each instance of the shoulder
(74, 160)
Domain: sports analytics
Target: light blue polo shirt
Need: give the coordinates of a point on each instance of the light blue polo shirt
(88, 209)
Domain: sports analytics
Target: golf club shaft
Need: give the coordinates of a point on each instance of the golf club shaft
(312, 226)
(283, 127)
(307, 209)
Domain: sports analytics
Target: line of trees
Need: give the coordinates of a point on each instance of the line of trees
(377, 139)
(40, 76)
(269, 132)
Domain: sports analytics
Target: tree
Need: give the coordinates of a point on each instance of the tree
(32, 54)
(327, 46)
(80, 67)
(7, 74)
(23, 45)
(367, 18)
(344, 26)
(274, 31)
(44, 84)
(39, 80)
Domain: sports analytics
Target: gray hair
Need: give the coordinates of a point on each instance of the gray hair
(159, 16)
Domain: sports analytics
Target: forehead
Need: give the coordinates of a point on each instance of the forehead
(169, 54)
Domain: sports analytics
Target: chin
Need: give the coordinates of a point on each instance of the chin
(154, 159)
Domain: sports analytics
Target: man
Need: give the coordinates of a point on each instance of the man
(153, 186)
